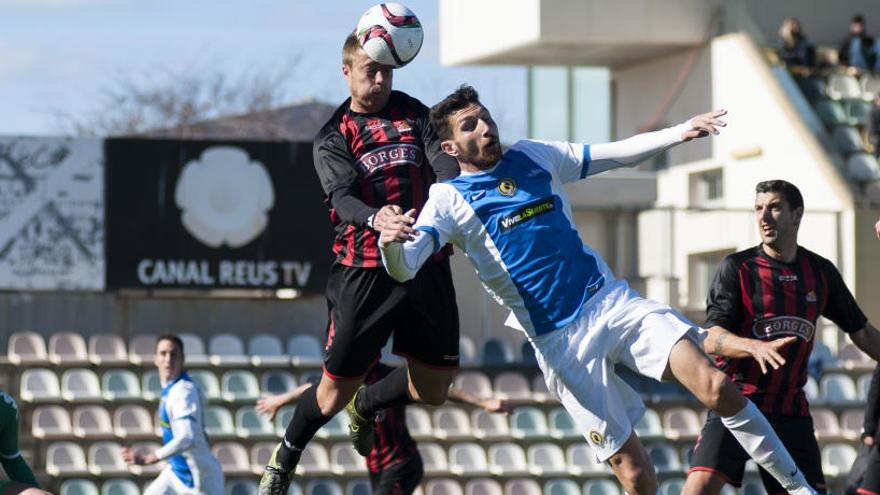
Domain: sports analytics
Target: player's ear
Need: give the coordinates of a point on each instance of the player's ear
(798, 215)
(346, 70)
(448, 147)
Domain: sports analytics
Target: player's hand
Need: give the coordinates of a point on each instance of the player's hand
(385, 215)
(399, 229)
(877, 228)
(269, 405)
(132, 457)
(495, 406)
(868, 440)
(767, 352)
(705, 124)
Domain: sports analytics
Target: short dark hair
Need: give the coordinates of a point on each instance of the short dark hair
(461, 98)
(858, 19)
(350, 48)
(172, 338)
(788, 191)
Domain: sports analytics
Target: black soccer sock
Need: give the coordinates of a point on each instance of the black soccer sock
(307, 420)
(391, 391)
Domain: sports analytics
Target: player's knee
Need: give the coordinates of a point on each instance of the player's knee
(33, 491)
(702, 483)
(716, 390)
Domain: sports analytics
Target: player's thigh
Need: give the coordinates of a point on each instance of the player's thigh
(798, 437)
(15, 488)
(718, 458)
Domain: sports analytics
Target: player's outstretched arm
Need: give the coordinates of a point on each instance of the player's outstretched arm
(489, 405)
(269, 404)
(722, 342)
(631, 151)
(403, 250)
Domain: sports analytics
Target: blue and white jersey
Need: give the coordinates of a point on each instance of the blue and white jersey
(182, 400)
(514, 223)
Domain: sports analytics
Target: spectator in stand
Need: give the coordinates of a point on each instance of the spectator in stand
(857, 49)
(794, 49)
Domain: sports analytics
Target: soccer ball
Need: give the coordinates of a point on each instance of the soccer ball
(390, 33)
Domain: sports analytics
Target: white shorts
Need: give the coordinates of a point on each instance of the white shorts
(167, 483)
(615, 326)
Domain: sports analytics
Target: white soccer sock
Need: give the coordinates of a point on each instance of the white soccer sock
(752, 430)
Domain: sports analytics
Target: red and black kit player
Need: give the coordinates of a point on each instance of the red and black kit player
(776, 290)
(869, 455)
(376, 158)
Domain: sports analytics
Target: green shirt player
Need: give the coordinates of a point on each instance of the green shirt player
(21, 479)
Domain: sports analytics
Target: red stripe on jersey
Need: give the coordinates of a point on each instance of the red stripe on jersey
(774, 391)
(764, 291)
(798, 403)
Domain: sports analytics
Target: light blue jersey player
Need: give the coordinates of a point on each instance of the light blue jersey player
(510, 215)
(192, 469)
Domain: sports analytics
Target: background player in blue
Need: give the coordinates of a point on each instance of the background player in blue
(511, 217)
(191, 469)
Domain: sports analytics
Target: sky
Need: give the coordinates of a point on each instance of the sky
(56, 56)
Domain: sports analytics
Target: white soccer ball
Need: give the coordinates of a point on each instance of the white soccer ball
(390, 33)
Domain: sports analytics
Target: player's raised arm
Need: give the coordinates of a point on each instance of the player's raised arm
(630, 151)
(403, 249)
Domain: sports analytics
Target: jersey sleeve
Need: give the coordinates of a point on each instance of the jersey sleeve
(841, 307)
(183, 404)
(567, 161)
(445, 167)
(333, 162)
(724, 303)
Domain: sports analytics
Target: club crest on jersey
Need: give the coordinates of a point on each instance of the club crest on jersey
(811, 297)
(779, 326)
(403, 127)
(507, 187)
(392, 155)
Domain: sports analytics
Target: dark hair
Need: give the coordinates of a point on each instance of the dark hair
(350, 48)
(172, 338)
(788, 191)
(461, 98)
(858, 19)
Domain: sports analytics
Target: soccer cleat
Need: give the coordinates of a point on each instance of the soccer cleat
(275, 480)
(360, 429)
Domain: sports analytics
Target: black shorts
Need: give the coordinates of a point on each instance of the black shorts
(718, 452)
(400, 479)
(367, 306)
(871, 483)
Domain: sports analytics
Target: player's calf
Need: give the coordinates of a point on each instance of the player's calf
(633, 468)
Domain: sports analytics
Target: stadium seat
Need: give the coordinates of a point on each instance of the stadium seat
(142, 349)
(24, 348)
(813, 87)
(314, 461)
(838, 388)
(468, 459)
(831, 114)
(649, 426)
(846, 140)
(486, 425)
(451, 423)
(105, 458)
(277, 382)
(443, 487)
(837, 459)
(260, 454)
(68, 349)
(119, 487)
(513, 386)
(858, 112)
(506, 459)
(862, 167)
(218, 422)
(601, 487)
(433, 458)
(119, 385)
(194, 349)
(282, 419)
(497, 352)
(39, 385)
(546, 459)
(305, 350)
(323, 487)
(233, 457)
(467, 351)
(843, 86)
(267, 350)
(92, 422)
(240, 386)
(79, 385)
(227, 349)
(671, 486)
(107, 350)
(65, 459)
(344, 460)
(863, 385)
(151, 386)
(335, 429)
(581, 461)
(527, 355)
(811, 391)
(851, 423)
(522, 487)
(475, 383)
(310, 376)
(249, 424)
(131, 421)
(561, 426)
(539, 389)
(207, 381)
(144, 448)
(358, 487)
(528, 423)
(664, 457)
(851, 357)
(681, 423)
(387, 355)
(242, 487)
(825, 424)
(51, 422)
(418, 422)
(561, 487)
(483, 486)
(870, 86)
(687, 453)
(79, 487)
(295, 489)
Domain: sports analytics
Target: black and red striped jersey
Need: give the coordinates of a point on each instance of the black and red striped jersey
(389, 157)
(758, 297)
(392, 444)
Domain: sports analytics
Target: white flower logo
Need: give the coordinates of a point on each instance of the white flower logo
(225, 197)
